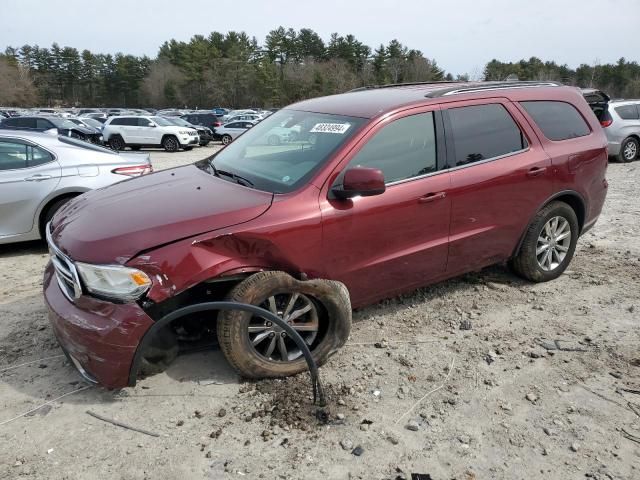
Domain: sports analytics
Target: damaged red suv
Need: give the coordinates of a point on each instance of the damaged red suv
(327, 204)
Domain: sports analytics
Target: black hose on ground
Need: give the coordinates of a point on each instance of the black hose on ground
(318, 392)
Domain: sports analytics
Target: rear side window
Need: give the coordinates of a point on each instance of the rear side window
(557, 120)
(481, 132)
(403, 149)
(627, 112)
(15, 155)
(12, 155)
(126, 121)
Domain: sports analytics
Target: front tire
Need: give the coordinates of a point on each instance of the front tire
(258, 349)
(629, 150)
(549, 243)
(117, 143)
(170, 144)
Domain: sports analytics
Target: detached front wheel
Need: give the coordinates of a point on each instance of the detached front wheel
(318, 310)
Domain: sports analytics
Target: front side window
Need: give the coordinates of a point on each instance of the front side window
(557, 120)
(481, 132)
(403, 149)
(282, 152)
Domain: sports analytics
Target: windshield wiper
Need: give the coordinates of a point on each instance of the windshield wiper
(239, 179)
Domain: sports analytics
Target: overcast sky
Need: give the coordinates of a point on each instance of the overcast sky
(462, 35)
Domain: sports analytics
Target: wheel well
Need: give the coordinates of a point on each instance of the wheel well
(634, 136)
(571, 199)
(168, 135)
(576, 204)
(50, 203)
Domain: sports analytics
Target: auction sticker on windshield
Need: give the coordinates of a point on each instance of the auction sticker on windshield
(330, 128)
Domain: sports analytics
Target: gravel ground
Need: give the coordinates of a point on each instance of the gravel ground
(544, 384)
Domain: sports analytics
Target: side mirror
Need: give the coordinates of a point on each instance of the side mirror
(151, 124)
(360, 182)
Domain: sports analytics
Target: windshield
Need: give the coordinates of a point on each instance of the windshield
(179, 121)
(162, 122)
(62, 123)
(281, 153)
(92, 122)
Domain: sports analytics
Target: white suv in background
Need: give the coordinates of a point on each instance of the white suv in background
(137, 132)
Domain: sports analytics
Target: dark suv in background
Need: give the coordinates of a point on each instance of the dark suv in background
(381, 191)
(208, 120)
(60, 126)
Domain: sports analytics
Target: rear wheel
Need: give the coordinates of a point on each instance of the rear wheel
(117, 143)
(549, 243)
(170, 144)
(629, 150)
(226, 139)
(258, 348)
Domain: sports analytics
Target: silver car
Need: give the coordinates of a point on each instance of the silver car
(622, 126)
(40, 172)
(230, 131)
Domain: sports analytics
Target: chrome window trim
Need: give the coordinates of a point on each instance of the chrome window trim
(486, 160)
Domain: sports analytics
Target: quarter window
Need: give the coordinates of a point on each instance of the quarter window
(627, 112)
(403, 149)
(481, 132)
(557, 120)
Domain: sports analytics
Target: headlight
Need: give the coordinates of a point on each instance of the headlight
(120, 283)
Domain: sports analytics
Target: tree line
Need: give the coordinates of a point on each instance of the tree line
(234, 69)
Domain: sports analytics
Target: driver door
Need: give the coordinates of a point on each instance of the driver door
(382, 245)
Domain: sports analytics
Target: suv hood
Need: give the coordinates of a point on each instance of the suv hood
(113, 224)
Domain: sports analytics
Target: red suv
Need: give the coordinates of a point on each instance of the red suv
(331, 202)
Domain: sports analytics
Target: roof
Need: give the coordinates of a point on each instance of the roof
(370, 101)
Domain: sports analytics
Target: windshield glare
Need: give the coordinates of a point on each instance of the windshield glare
(281, 153)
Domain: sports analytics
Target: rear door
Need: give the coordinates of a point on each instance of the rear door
(385, 244)
(500, 176)
(28, 174)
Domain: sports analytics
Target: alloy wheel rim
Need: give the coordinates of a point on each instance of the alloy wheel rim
(171, 144)
(270, 341)
(553, 243)
(226, 140)
(630, 151)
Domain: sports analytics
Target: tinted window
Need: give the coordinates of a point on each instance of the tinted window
(42, 124)
(143, 122)
(481, 132)
(117, 121)
(12, 155)
(404, 149)
(37, 156)
(127, 121)
(627, 112)
(557, 120)
(235, 125)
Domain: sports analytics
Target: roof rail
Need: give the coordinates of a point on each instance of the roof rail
(408, 84)
(484, 86)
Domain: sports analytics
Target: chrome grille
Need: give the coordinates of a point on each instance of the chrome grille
(66, 272)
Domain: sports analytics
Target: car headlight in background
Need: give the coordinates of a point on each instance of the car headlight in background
(112, 281)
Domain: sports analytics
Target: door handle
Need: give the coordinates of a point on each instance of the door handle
(536, 171)
(432, 197)
(37, 178)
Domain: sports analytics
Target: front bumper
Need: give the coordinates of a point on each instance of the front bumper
(99, 337)
(189, 140)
